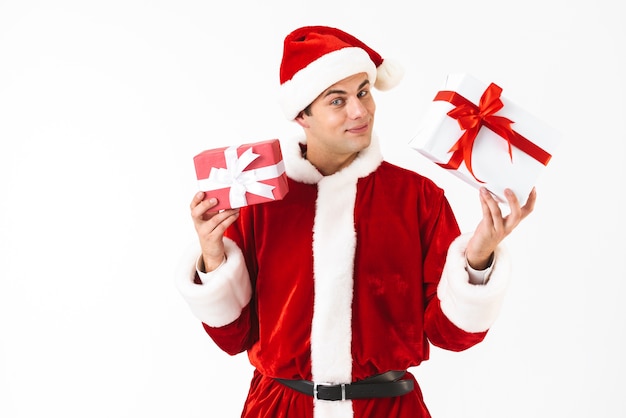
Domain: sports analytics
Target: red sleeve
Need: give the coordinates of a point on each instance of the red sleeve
(437, 237)
(241, 334)
(237, 336)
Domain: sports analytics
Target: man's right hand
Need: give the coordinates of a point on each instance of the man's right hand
(210, 227)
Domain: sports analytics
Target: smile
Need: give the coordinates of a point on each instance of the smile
(358, 129)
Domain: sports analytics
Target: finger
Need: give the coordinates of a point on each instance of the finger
(201, 198)
(493, 209)
(209, 226)
(483, 203)
(515, 214)
(215, 227)
(226, 219)
(204, 208)
(530, 203)
(197, 198)
(219, 217)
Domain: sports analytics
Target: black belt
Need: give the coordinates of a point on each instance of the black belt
(384, 385)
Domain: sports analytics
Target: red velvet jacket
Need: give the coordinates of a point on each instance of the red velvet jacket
(344, 279)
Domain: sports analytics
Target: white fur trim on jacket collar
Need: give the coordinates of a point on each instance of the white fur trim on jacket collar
(472, 308)
(300, 169)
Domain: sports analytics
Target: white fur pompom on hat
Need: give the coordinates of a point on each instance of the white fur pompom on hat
(316, 57)
(388, 75)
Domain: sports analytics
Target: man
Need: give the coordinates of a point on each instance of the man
(340, 287)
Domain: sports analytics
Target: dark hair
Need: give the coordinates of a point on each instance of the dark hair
(307, 110)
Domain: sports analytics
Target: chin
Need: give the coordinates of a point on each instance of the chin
(362, 142)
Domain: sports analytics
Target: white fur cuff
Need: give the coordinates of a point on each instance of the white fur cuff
(219, 300)
(473, 308)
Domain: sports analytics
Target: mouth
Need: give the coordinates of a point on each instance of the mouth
(358, 129)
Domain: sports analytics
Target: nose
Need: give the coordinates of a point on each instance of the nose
(356, 109)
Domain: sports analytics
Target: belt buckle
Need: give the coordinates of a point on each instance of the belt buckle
(316, 385)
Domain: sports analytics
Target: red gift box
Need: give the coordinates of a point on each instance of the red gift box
(242, 175)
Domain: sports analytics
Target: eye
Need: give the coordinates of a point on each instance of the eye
(363, 93)
(337, 102)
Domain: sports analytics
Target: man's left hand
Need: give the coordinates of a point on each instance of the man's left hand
(494, 227)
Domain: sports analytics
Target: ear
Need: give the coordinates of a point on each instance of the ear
(301, 120)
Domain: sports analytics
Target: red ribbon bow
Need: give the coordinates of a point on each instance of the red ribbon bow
(471, 118)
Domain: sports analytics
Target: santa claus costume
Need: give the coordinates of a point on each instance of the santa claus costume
(349, 276)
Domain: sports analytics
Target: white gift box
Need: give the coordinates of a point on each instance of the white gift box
(490, 159)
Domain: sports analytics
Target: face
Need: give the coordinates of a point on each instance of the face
(341, 119)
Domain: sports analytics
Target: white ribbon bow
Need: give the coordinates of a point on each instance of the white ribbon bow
(241, 181)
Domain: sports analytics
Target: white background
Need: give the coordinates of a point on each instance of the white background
(104, 104)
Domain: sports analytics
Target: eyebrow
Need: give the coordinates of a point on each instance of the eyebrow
(329, 92)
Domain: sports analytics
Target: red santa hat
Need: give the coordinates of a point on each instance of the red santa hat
(316, 57)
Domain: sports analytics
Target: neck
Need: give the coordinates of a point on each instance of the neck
(328, 165)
